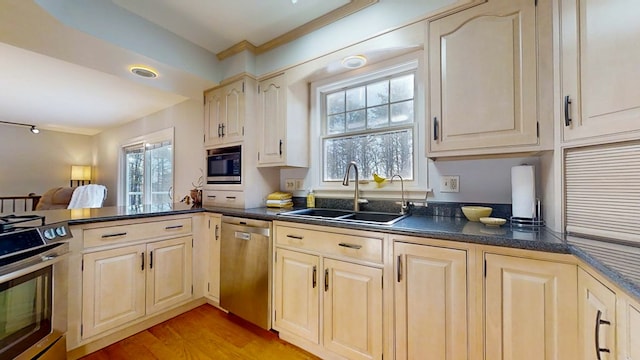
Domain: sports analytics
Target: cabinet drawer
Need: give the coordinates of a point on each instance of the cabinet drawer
(133, 232)
(224, 198)
(357, 247)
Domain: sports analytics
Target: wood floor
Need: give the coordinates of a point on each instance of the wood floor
(202, 333)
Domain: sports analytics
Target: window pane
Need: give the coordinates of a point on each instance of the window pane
(161, 173)
(387, 154)
(355, 99)
(378, 93)
(355, 120)
(402, 88)
(402, 112)
(335, 124)
(134, 176)
(378, 117)
(335, 103)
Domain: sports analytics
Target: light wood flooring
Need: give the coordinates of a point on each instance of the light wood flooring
(202, 333)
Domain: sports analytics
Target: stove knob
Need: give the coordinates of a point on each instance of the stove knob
(50, 234)
(61, 231)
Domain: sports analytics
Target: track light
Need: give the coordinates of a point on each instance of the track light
(32, 128)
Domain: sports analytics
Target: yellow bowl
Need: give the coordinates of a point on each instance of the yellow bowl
(474, 213)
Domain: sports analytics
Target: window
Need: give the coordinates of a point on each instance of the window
(375, 117)
(147, 170)
(371, 124)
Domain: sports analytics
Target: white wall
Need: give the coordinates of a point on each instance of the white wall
(186, 118)
(38, 162)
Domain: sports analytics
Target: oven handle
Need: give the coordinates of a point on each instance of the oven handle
(34, 263)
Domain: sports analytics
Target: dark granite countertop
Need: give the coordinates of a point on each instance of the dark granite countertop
(619, 263)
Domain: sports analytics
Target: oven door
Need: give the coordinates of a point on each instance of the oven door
(27, 308)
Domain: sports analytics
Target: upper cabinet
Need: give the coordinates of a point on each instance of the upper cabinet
(225, 112)
(282, 140)
(600, 72)
(483, 79)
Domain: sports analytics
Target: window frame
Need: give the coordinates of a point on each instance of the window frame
(140, 142)
(411, 62)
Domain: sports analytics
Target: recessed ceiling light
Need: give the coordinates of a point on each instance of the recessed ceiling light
(354, 61)
(144, 72)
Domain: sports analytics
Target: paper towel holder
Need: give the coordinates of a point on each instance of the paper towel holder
(535, 222)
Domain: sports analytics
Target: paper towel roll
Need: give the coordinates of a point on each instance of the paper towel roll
(523, 192)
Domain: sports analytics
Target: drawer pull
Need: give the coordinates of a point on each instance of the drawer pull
(211, 196)
(351, 246)
(105, 236)
(297, 237)
(173, 227)
(231, 197)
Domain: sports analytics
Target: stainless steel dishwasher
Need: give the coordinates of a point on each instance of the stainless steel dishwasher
(245, 269)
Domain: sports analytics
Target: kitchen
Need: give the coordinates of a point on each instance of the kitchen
(482, 181)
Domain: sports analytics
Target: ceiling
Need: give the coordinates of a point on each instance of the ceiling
(60, 78)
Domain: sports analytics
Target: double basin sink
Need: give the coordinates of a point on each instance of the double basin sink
(364, 217)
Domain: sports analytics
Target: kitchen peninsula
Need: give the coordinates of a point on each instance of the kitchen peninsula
(484, 249)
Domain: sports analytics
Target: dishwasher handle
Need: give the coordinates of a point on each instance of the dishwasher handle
(241, 235)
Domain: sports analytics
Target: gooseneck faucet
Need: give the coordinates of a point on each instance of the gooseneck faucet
(345, 182)
(404, 206)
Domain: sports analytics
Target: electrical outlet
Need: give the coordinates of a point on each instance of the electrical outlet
(299, 184)
(290, 184)
(450, 183)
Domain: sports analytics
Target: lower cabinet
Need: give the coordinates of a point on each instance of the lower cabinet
(596, 310)
(124, 284)
(430, 302)
(629, 324)
(529, 308)
(213, 237)
(326, 302)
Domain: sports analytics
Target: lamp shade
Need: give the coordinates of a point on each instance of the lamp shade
(80, 172)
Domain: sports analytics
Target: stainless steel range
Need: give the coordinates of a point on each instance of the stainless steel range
(33, 291)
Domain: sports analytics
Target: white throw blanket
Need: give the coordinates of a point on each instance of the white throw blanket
(88, 196)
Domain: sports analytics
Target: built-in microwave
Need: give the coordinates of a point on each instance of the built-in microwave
(224, 166)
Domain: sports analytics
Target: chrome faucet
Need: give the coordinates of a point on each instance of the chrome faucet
(404, 206)
(356, 194)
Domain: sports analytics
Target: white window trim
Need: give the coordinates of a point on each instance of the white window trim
(416, 188)
(161, 135)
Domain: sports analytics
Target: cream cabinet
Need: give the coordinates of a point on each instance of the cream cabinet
(113, 285)
(529, 308)
(283, 141)
(225, 112)
(328, 291)
(596, 310)
(214, 222)
(297, 300)
(123, 284)
(600, 72)
(629, 329)
(431, 307)
(483, 80)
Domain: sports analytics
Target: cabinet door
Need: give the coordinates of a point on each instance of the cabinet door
(234, 114)
(352, 310)
(213, 114)
(213, 288)
(431, 302)
(600, 57)
(596, 310)
(272, 119)
(482, 65)
(530, 309)
(629, 329)
(113, 288)
(169, 273)
(297, 296)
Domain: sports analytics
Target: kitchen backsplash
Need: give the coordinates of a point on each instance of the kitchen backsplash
(447, 209)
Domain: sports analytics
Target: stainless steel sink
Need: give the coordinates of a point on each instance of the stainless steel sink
(364, 217)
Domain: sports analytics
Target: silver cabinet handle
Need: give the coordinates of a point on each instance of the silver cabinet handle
(350, 246)
(105, 236)
(173, 227)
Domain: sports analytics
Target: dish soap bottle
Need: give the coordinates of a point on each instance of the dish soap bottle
(311, 199)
